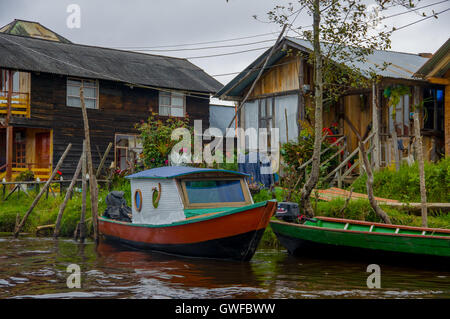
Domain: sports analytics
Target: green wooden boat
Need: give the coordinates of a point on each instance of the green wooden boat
(336, 234)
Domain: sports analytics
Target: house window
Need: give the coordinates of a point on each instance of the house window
(4, 86)
(90, 93)
(171, 104)
(128, 147)
(433, 109)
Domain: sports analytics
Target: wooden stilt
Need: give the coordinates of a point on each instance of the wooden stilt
(102, 162)
(81, 224)
(420, 159)
(66, 198)
(9, 153)
(38, 197)
(9, 131)
(92, 179)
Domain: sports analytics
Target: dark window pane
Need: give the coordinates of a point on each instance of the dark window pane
(211, 191)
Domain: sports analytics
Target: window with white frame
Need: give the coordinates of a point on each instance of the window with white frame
(90, 93)
(171, 104)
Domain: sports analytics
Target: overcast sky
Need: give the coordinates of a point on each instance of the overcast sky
(150, 23)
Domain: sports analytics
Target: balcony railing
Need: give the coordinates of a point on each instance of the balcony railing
(20, 103)
(42, 172)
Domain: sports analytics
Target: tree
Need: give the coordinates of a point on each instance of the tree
(342, 36)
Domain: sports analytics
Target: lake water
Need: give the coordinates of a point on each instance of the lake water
(33, 267)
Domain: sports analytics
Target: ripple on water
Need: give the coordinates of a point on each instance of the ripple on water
(35, 268)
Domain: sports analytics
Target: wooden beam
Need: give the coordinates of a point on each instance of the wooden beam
(375, 127)
(102, 162)
(9, 152)
(92, 180)
(441, 81)
(66, 198)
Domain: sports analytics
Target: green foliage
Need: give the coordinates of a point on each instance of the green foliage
(394, 94)
(156, 138)
(404, 185)
(25, 176)
(265, 194)
(296, 153)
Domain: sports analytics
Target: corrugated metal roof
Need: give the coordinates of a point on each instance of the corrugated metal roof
(30, 54)
(401, 65)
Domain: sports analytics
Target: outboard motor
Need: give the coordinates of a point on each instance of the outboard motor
(288, 212)
(117, 207)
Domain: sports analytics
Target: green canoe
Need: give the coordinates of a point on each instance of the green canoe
(337, 233)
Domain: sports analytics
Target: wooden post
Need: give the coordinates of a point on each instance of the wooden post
(9, 131)
(420, 159)
(9, 153)
(38, 197)
(66, 199)
(287, 127)
(395, 144)
(375, 121)
(102, 162)
(81, 225)
(92, 179)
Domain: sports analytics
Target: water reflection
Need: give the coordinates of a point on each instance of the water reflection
(36, 268)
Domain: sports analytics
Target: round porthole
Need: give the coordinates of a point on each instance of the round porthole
(138, 200)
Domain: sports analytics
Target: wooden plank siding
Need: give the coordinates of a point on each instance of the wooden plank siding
(120, 108)
(281, 78)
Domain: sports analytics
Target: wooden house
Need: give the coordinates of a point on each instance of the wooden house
(40, 78)
(437, 70)
(285, 90)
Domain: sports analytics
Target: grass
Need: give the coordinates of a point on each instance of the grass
(404, 184)
(45, 213)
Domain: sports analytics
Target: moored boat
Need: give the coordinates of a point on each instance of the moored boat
(192, 212)
(323, 234)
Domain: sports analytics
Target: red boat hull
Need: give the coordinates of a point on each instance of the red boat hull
(231, 235)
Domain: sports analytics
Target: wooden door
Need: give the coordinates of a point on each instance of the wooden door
(42, 148)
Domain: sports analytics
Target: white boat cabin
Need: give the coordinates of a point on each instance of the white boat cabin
(170, 194)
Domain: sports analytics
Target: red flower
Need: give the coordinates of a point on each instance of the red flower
(58, 172)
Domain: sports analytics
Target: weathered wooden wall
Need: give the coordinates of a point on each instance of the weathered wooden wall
(120, 108)
(280, 78)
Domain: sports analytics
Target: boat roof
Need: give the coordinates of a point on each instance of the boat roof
(176, 171)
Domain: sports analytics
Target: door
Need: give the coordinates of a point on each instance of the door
(42, 145)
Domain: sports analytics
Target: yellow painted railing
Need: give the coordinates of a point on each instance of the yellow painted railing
(20, 104)
(42, 173)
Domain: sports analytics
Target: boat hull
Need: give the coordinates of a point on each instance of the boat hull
(234, 234)
(301, 239)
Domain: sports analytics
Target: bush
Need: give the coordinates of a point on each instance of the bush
(404, 185)
(296, 153)
(156, 139)
(25, 176)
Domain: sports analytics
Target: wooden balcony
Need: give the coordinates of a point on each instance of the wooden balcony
(20, 104)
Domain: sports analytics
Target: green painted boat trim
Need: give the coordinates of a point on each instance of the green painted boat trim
(360, 236)
(221, 213)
